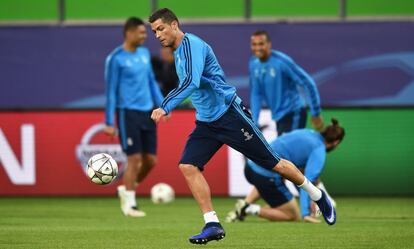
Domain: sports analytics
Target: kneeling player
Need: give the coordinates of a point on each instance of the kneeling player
(306, 149)
(282, 205)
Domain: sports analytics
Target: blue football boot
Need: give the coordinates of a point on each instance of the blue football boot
(327, 209)
(211, 231)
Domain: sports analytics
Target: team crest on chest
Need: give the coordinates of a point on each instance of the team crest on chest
(178, 60)
(272, 72)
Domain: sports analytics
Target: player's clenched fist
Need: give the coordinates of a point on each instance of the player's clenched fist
(157, 114)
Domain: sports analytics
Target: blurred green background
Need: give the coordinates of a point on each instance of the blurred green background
(378, 150)
(47, 10)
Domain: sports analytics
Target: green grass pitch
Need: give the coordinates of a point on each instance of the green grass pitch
(98, 223)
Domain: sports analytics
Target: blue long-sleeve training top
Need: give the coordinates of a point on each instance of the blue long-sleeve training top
(306, 149)
(130, 82)
(276, 82)
(202, 78)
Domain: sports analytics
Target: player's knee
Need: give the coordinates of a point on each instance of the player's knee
(282, 167)
(187, 169)
(153, 162)
(134, 159)
(150, 161)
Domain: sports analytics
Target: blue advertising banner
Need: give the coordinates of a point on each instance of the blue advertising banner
(353, 64)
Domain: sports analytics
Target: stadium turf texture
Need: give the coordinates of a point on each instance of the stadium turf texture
(98, 223)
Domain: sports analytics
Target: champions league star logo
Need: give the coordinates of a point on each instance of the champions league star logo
(86, 150)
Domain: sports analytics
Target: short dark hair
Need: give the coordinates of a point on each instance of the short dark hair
(165, 14)
(333, 132)
(262, 32)
(132, 23)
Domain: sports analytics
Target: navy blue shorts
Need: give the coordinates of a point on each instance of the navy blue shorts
(236, 129)
(137, 132)
(292, 121)
(271, 188)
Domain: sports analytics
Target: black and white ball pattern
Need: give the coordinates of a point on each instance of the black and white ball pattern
(102, 169)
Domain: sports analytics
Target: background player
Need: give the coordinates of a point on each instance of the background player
(221, 118)
(132, 92)
(275, 78)
(307, 150)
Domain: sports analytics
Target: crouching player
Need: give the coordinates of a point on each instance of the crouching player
(281, 204)
(305, 148)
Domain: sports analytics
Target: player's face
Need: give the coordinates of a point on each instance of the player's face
(164, 32)
(260, 46)
(137, 36)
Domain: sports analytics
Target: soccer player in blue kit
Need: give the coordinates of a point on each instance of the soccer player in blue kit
(275, 78)
(221, 118)
(307, 149)
(132, 93)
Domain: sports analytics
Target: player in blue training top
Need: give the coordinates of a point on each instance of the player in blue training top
(275, 79)
(221, 118)
(132, 93)
(305, 148)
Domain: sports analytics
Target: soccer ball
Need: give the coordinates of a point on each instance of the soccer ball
(102, 169)
(162, 193)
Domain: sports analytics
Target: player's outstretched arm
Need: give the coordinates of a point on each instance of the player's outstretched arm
(317, 122)
(303, 79)
(193, 67)
(111, 85)
(255, 96)
(313, 170)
